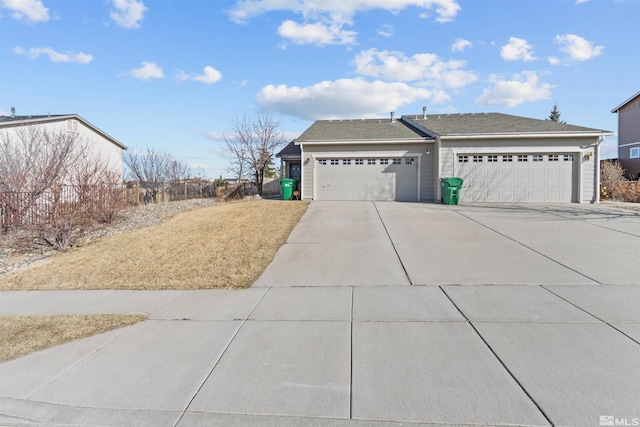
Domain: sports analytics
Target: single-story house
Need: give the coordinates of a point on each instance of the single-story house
(502, 158)
(103, 146)
(629, 135)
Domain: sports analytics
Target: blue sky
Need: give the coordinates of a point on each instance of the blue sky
(173, 74)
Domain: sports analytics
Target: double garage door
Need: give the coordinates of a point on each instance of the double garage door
(354, 178)
(548, 177)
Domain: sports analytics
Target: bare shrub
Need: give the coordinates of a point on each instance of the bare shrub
(611, 178)
(54, 185)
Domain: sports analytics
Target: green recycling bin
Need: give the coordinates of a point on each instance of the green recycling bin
(287, 188)
(451, 190)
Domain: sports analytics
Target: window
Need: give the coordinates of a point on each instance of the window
(384, 161)
(507, 158)
(408, 161)
(477, 159)
(397, 161)
(322, 161)
(72, 126)
(523, 158)
(335, 162)
(492, 159)
(634, 152)
(463, 159)
(359, 161)
(371, 161)
(553, 157)
(346, 161)
(568, 158)
(538, 157)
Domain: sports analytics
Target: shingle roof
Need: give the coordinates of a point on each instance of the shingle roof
(291, 150)
(443, 125)
(357, 130)
(8, 119)
(492, 124)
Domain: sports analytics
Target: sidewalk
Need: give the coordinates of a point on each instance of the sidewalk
(498, 355)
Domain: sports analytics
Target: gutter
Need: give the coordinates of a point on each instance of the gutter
(368, 141)
(524, 135)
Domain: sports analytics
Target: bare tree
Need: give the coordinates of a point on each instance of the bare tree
(253, 144)
(151, 167)
(55, 178)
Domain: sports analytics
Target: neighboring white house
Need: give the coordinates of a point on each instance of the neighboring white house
(101, 145)
(502, 158)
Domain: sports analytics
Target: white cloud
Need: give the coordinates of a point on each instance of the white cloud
(553, 60)
(149, 70)
(524, 87)
(319, 34)
(29, 11)
(35, 52)
(386, 30)
(209, 76)
(578, 48)
(580, 2)
(517, 50)
(427, 68)
(218, 136)
(460, 44)
(325, 20)
(344, 98)
(128, 13)
(339, 9)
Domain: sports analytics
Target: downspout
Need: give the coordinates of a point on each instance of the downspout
(597, 166)
(302, 163)
(438, 171)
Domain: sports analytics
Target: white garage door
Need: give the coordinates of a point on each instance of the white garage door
(517, 177)
(367, 179)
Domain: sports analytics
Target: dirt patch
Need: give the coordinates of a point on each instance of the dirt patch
(20, 335)
(224, 246)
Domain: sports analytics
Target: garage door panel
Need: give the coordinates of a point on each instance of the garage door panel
(358, 179)
(517, 178)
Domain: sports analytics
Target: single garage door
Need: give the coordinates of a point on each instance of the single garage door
(517, 177)
(367, 179)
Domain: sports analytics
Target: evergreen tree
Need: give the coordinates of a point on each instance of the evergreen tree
(555, 114)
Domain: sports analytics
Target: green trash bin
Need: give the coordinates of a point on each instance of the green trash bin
(287, 188)
(451, 190)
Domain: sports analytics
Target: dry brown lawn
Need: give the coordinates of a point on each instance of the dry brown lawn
(224, 246)
(20, 335)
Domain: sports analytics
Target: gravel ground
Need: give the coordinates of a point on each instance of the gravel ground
(19, 248)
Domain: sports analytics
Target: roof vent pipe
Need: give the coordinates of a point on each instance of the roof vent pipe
(392, 119)
(424, 113)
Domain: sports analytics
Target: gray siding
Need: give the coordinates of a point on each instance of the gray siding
(578, 146)
(312, 152)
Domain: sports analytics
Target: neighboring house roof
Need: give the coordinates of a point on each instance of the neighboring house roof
(291, 151)
(14, 121)
(496, 125)
(615, 110)
(366, 130)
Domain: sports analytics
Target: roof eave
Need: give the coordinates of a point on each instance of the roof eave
(67, 117)
(615, 110)
(526, 135)
(366, 141)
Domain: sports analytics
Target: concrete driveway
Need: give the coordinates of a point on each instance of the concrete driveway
(365, 318)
